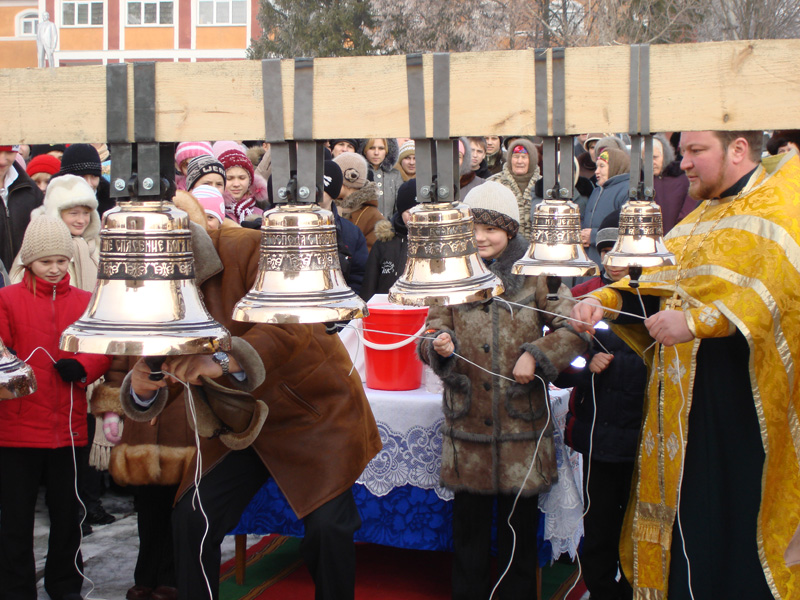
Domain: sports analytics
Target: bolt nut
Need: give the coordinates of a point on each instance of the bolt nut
(282, 193)
(304, 192)
(119, 184)
(444, 192)
(425, 192)
(564, 192)
(147, 183)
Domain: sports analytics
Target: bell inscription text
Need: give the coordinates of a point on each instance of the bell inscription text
(147, 257)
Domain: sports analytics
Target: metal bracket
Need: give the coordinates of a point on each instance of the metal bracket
(144, 129)
(310, 166)
(423, 150)
(274, 133)
(117, 128)
(639, 124)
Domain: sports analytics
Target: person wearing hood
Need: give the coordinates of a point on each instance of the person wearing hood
(245, 192)
(520, 174)
(381, 155)
(387, 259)
(670, 184)
(358, 199)
(495, 405)
(603, 423)
(468, 178)
(407, 161)
(613, 176)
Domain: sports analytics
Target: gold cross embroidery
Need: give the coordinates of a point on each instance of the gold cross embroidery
(673, 303)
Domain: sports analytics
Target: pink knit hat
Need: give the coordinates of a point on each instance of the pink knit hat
(187, 150)
(210, 198)
(236, 158)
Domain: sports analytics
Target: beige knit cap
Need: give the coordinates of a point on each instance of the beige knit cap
(354, 169)
(45, 236)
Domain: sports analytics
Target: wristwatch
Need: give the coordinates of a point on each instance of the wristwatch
(223, 360)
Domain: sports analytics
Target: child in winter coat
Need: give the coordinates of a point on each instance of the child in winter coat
(495, 429)
(39, 432)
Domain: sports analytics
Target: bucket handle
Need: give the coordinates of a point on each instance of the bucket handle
(394, 346)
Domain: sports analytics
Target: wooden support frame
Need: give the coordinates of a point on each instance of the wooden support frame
(723, 85)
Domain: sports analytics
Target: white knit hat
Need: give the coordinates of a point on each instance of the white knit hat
(494, 204)
(45, 236)
(69, 191)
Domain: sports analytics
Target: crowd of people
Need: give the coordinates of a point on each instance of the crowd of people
(714, 334)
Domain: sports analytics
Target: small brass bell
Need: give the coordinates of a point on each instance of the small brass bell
(299, 276)
(556, 248)
(640, 242)
(443, 265)
(146, 302)
(16, 377)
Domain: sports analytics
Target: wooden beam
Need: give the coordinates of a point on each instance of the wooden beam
(725, 85)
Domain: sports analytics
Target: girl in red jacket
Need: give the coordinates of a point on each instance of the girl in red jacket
(38, 433)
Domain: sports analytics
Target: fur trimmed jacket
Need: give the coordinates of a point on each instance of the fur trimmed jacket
(361, 208)
(491, 424)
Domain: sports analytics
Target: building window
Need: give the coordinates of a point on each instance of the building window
(222, 12)
(27, 24)
(150, 13)
(81, 13)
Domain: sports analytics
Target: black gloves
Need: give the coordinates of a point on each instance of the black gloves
(252, 223)
(70, 370)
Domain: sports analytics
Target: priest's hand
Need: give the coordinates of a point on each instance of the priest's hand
(586, 314)
(669, 327)
(525, 368)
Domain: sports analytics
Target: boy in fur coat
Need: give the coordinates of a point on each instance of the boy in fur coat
(495, 427)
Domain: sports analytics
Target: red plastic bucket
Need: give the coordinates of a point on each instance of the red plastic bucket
(391, 360)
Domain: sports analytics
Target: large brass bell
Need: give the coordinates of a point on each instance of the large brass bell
(556, 248)
(443, 265)
(146, 302)
(640, 242)
(16, 377)
(299, 277)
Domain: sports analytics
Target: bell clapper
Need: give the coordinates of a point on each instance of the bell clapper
(635, 271)
(155, 363)
(553, 283)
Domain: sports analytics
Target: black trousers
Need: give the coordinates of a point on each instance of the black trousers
(21, 472)
(90, 480)
(472, 538)
(225, 492)
(155, 564)
(609, 486)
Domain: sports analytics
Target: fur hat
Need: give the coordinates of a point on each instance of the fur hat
(608, 232)
(332, 179)
(44, 163)
(81, 159)
(69, 191)
(354, 169)
(494, 204)
(210, 198)
(45, 236)
(188, 150)
(237, 158)
(203, 165)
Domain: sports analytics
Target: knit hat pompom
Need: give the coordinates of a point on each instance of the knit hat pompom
(69, 191)
(203, 165)
(81, 159)
(188, 150)
(236, 158)
(45, 236)
(494, 204)
(354, 169)
(44, 163)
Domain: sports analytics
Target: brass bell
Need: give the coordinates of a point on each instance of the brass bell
(443, 266)
(640, 242)
(299, 276)
(146, 302)
(556, 248)
(16, 377)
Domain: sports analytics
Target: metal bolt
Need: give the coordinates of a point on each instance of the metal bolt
(548, 195)
(649, 192)
(444, 192)
(147, 183)
(304, 192)
(119, 184)
(282, 193)
(425, 192)
(564, 192)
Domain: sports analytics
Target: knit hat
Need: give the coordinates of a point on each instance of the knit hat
(210, 198)
(354, 169)
(69, 191)
(609, 231)
(225, 145)
(494, 204)
(236, 158)
(407, 149)
(332, 179)
(406, 196)
(202, 165)
(44, 163)
(352, 141)
(9, 148)
(618, 161)
(187, 150)
(611, 141)
(81, 159)
(593, 137)
(45, 236)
